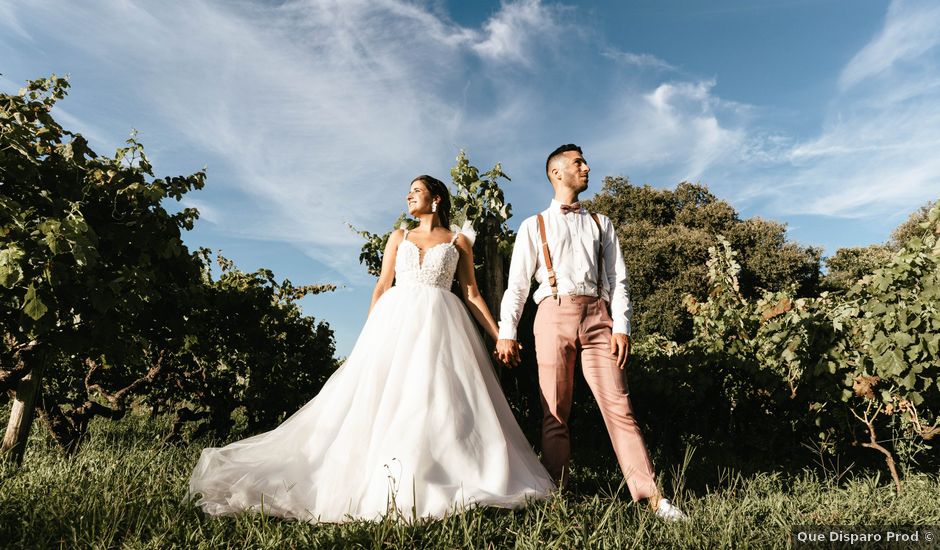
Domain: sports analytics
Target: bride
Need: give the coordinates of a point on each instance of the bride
(413, 424)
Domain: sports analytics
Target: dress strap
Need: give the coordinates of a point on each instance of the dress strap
(456, 234)
(405, 236)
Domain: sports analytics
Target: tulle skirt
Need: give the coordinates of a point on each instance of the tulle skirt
(414, 424)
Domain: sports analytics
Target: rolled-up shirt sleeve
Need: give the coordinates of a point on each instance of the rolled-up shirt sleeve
(618, 280)
(521, 269)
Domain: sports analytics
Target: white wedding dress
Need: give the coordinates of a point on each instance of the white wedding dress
(414, 423)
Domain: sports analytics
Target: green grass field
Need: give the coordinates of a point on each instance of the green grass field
(125, 489)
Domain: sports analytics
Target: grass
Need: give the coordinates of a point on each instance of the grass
(125, 489)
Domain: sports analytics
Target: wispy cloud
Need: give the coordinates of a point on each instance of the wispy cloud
(88, 130)
(207, 212)
(640, 60)
(877, 150)
(313, 113)
(510, 34)
(320, 110)
(909, 32)
(9, 20)
(679, 127)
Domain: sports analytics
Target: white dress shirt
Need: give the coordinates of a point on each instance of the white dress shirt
(573, 242)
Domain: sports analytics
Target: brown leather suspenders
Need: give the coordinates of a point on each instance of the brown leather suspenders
(600, 256)
(552, 281)
(548, 258)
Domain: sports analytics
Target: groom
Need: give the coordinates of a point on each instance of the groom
(583, 313)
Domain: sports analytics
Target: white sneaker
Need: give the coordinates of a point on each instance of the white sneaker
(668, 512)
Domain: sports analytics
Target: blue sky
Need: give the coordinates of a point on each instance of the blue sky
(312, 114)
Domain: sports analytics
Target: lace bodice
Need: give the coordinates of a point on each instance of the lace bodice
(435, 269)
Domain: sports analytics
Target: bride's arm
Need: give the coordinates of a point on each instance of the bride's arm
(468, 287)
(387, 276)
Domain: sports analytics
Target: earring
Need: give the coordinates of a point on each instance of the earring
(433, 207)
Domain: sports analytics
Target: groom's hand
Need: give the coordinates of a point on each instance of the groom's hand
(620, 346)
(508, 352)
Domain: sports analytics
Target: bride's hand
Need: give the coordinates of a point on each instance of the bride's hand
(507, 351)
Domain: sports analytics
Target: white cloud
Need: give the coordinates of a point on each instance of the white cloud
(510, 33)
(207, 212)
(314, 113)
(874, 156)
(679, 127)
(876, 153)
(321, 110)
(88, 130)
(640, 60)
(9, 20)
(910, 31)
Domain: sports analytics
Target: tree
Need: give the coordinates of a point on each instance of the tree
(912, 227)
(665, 236)
(858, 368)
(893, 349)
(91, 264)
(849, 265)
(105, 306)
(251, 349)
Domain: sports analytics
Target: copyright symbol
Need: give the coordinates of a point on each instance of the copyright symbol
(928, 536)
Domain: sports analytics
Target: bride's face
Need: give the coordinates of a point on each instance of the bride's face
(419, 199)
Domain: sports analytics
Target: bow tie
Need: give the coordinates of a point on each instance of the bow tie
(574, 207)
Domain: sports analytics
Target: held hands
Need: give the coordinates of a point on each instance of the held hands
(620, 346)
(507, 351)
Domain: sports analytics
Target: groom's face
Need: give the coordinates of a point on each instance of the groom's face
(574, 171)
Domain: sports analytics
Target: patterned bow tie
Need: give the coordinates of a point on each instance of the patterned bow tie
(574, 207)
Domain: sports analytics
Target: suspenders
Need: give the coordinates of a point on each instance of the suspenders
(552, 281)
(548, 258)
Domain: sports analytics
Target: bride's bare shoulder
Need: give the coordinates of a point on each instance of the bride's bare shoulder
(394, 240)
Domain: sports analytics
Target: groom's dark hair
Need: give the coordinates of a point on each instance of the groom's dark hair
(561, 149)
(437, 189)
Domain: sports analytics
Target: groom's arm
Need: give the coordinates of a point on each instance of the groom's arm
(618, 282)
(521, 269)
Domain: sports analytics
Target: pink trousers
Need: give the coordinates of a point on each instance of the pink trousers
(580, 326)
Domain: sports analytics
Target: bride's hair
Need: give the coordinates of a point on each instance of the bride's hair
(437, 189)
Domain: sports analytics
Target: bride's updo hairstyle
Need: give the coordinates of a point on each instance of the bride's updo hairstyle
(437, 189)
